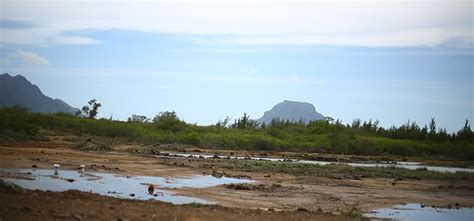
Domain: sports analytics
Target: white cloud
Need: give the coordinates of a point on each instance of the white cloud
(74, 40)
(391, 23)
(25, 58)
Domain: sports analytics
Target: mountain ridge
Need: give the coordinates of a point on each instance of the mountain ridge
(292, 111)
(18, 91)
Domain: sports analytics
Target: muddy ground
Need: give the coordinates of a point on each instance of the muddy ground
(276, 195)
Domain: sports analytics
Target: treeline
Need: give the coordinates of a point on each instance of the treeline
(408, 131)
(324, 136)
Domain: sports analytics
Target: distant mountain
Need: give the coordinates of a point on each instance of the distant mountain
(19, 91)
(293, 111)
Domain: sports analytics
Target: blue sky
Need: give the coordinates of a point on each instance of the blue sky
(393, 61)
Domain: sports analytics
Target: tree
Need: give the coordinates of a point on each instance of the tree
(138, 119)
(244, 122)
(168, 120)
(432, 127)
(223, 123)
(90, 111)
(465, 133)
(329, 119)
(165, 115)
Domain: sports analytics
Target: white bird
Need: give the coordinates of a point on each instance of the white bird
(56, 166)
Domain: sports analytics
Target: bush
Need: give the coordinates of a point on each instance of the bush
(320, 136)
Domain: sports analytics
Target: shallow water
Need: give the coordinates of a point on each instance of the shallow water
(406, 165)
(414, 211)
(120, 186)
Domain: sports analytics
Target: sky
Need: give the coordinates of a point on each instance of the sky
(391, 60)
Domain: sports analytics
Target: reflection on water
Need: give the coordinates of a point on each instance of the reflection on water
(405, 165)
(414, 211)
(130, 187)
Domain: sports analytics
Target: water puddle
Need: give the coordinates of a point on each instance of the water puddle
(114, 185)
(405, 165)
(414, 211)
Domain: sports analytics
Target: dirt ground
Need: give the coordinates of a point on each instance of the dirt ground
(276, 196)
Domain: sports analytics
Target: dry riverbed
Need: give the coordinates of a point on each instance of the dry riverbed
(282, 191)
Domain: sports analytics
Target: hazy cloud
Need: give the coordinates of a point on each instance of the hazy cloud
(372, 23)
(11, 24)
(25, 58)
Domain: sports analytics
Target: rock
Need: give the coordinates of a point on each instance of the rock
(132, 194)
(275, 186)
(77, 216)
(300, 209)
(151, 189)
(216, 174)
(34, 166)
(62, 215)
(26, 208)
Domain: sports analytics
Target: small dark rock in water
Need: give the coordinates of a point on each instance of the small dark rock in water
(132, 194)
(70, 180)
(300, 209)
(151, 189)
(215, 156)
(34, 166)
(216, 174)
(155, 195)
(422, 206)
